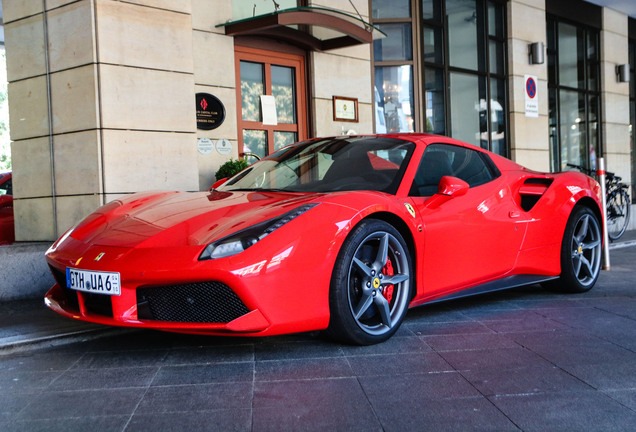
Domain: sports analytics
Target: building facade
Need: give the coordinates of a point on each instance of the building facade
(112, 97)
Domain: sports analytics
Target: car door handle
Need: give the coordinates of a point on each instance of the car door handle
(514, 214)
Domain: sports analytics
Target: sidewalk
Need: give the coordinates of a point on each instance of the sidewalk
(29, 324)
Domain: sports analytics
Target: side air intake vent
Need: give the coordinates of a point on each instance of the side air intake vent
(532, 190)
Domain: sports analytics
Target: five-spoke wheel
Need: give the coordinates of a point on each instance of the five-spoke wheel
(371, 284)
(581, 252)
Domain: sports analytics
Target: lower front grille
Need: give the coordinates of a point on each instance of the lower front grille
(70, 296)
(200, 302)
(98, 304)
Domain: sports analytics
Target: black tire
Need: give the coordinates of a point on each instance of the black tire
(581, 252)
(618, 206)
(371, 285)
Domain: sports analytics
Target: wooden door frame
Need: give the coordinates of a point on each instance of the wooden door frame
(270, 58)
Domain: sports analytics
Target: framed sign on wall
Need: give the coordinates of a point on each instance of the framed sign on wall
(345, 109)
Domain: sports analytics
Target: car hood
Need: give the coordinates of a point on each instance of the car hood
(182, 218)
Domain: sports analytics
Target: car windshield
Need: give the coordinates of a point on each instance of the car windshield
(329, 165)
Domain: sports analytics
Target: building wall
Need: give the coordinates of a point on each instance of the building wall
(615, 95)
(342, 72)
(214, 68)
(121, 91)
(530, 136)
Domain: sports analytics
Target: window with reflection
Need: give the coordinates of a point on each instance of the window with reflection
(394, 99)
(442, 69)
(394, 64)
(573, 94)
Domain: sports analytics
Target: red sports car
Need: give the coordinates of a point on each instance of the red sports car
(342, 234)
(7, 235)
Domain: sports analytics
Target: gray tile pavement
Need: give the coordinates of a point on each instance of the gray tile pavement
(525, 359)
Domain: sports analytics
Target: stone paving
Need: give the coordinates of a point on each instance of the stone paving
(524, 359)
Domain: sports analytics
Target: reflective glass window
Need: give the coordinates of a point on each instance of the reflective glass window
(458, 67)
(496, 56)
(495, 20)
(283, 90)
(573, 134)
(468, 108)
(252, 87)
(255, 141)
(571, 48)
(432, 44)
(574, 97)
(397, 45)
(498, 116)
(394, 99)
(283, 139)
(434, 99)
(463, 34)
(431, 9)
(391, 9)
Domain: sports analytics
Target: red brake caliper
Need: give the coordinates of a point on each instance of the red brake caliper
(388, 271)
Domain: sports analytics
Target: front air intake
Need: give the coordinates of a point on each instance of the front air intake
(200, 302)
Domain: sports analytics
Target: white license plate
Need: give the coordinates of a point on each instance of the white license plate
(95, 282)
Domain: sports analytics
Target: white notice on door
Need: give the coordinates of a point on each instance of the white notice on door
(268, 110)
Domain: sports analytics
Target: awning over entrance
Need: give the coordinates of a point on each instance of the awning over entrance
(313, 28)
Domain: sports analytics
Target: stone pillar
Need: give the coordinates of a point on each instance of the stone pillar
(214, 73)
(615, 95)
(529, 137)
(342, 72)
(120, 80)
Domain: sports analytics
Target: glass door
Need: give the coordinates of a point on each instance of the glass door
(271, 98)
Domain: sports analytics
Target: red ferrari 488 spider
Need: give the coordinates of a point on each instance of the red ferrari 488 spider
(341, 234)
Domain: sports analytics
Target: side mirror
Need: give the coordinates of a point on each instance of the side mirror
(218, 183)
(449, 187)
(452, 186)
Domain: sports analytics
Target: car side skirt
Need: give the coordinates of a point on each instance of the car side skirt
(497, 285)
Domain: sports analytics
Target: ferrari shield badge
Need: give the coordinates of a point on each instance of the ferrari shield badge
(98, 257)
(410, 208)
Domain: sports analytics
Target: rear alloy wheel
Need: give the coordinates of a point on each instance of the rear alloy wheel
(581, 252)
(371, 285)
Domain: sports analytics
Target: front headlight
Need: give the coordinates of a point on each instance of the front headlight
(241, 240)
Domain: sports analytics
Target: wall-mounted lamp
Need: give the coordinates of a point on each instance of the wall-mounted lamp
(622, 73)
(535, 53)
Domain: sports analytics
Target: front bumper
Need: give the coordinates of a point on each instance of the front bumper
(254, 296)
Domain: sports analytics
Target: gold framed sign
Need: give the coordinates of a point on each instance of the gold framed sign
(345, 109)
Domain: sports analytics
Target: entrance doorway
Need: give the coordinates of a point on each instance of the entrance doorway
(271, 98)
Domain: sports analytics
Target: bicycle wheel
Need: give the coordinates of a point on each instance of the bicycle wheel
(617, 213)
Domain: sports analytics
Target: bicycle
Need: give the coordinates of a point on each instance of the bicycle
(618, 202)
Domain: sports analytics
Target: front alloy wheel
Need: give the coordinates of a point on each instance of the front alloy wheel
(371, 285)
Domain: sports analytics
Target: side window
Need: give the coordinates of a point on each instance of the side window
(440, 160)
(471, 167)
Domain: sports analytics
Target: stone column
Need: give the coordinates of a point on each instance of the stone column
(529, 136)
(214, 73)
(615, 95)
(119, 78)
(342, 72)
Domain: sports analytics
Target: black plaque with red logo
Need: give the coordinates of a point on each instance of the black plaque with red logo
(210, 111)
